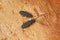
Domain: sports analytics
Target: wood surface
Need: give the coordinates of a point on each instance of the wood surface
(46, 27)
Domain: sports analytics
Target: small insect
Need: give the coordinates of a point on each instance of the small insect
(24, 13)
(28, 23)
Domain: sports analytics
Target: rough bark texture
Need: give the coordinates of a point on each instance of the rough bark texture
(46, 27)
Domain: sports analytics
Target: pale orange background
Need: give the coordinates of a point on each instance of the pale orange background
(46, 27)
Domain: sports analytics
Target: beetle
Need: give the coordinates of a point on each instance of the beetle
(25, 13)
(28, 23)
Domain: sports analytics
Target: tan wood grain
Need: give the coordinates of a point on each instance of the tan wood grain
(46, 27)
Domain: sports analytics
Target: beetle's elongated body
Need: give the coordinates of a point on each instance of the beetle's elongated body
(24, 13)
(28, 23)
